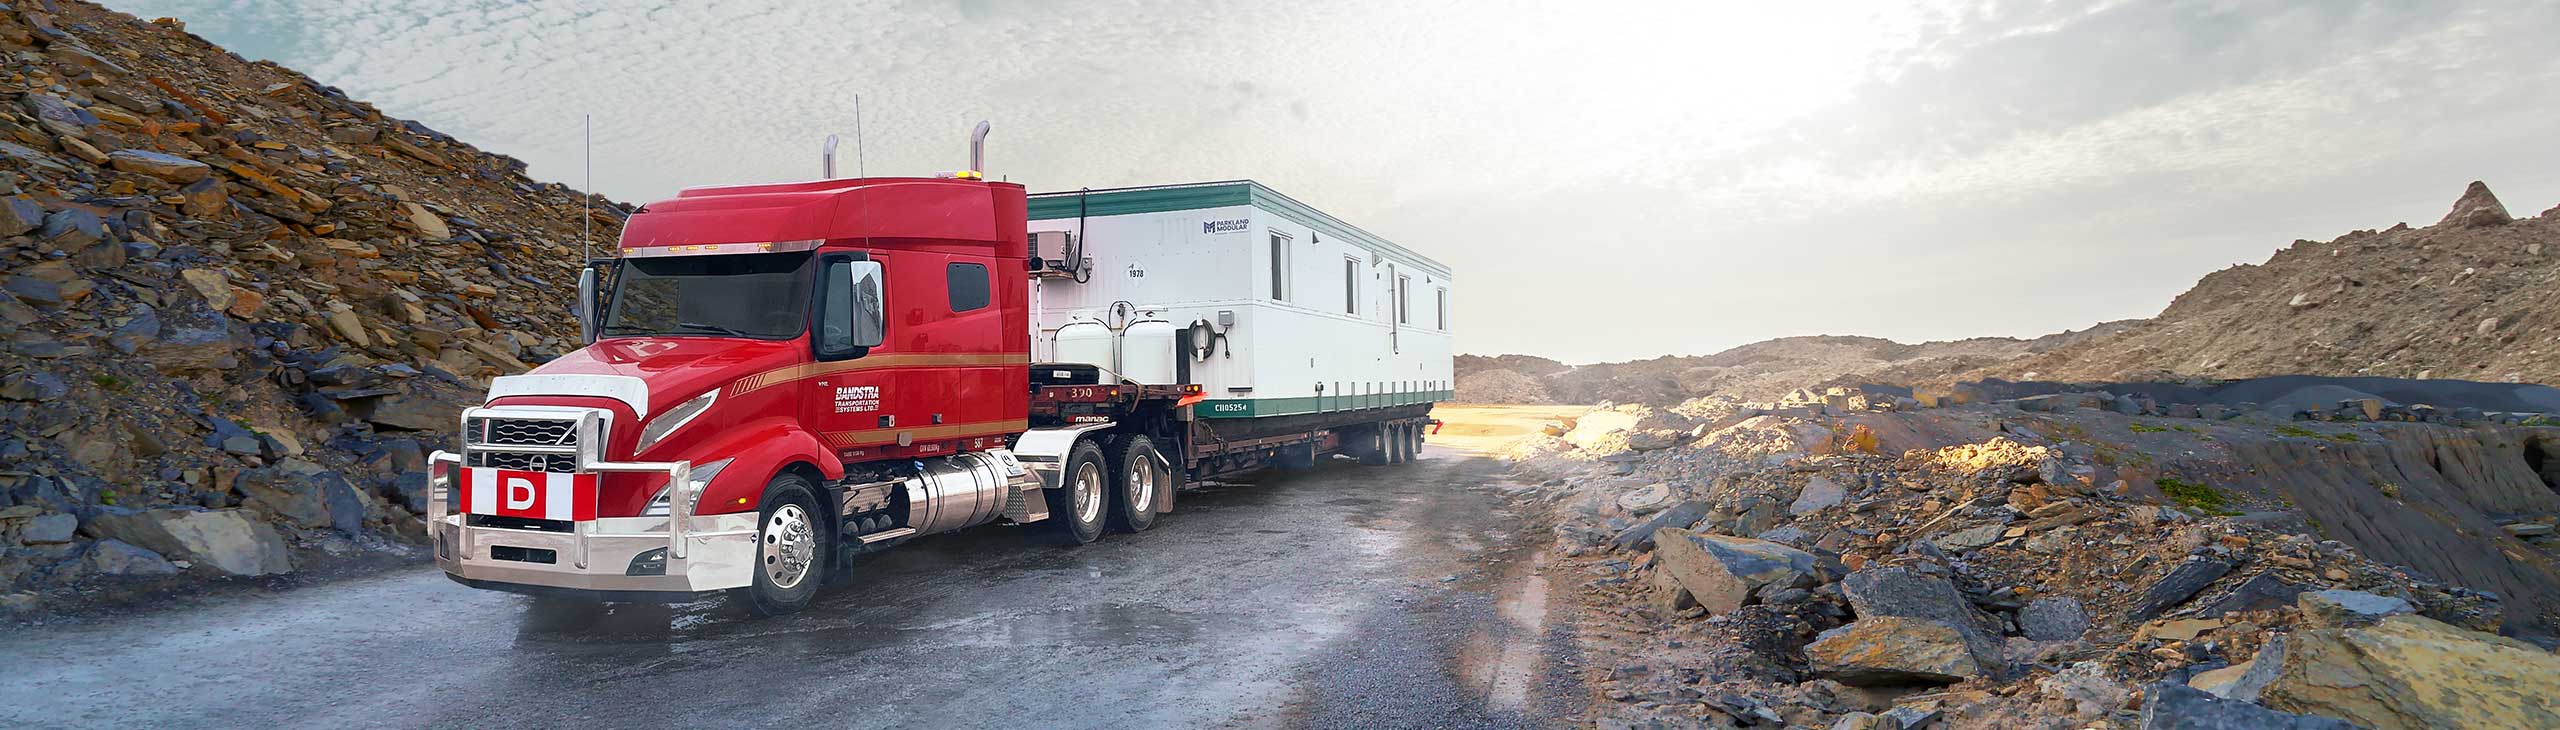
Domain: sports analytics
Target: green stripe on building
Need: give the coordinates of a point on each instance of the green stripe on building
(1259, 407)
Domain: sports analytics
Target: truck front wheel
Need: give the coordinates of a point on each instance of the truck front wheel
(1139, 475)
(791, 545)
(1076, 506)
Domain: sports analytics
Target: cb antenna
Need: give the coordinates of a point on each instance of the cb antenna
(587, 196)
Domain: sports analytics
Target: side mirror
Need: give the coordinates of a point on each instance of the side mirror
(855, 318)
(870, 315)
(587, 305)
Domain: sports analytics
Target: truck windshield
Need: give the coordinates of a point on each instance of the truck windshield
(763, 296)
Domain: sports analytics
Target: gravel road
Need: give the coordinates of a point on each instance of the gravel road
(1342, 596)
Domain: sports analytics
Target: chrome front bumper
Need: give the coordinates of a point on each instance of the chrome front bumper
(699, 553)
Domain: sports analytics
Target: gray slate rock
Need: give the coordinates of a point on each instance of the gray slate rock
(33, 385)
(1818, 493)
(1640, 536)
(228, 540)
(49, 529)
(117, 557)
(1973, 538)
(1903, 592)
(2344, 608)
(2053, 618)
(2173, 706)
(2182, 583)
(2261, 592)
(19, 215)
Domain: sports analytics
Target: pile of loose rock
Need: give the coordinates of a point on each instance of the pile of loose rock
(1771, 573)
(238, 306)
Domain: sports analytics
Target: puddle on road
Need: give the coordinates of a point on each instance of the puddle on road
(1505, 664)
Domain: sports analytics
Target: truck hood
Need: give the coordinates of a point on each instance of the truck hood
(677, 368)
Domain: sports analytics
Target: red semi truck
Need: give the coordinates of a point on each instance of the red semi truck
(781, 377)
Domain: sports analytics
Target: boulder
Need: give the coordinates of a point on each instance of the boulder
(2180, 584)
(1640, 536)
(2416, 672)
(19, 215)
(2345, 609)
(1645, 499)
(304, 495)
(1892, 650)
(1818, 493)
(48, 529)
(1910, 594)
(2478, 207)
(2172, 706)
(411, 412)
(117, 557)
(2053, 618)
(1723, 572)
(228, 540)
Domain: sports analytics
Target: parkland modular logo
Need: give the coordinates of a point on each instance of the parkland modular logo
(1227, 226)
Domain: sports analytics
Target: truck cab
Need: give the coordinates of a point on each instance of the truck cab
(746, 346)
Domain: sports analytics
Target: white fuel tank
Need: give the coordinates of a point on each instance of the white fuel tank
(1085, 342)
(1149, 351)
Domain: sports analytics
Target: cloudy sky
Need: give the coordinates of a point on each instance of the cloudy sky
(1609, 180)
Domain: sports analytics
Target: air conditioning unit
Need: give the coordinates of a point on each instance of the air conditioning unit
(1053, 249)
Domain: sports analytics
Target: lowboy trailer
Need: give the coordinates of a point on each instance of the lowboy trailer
(778, 378)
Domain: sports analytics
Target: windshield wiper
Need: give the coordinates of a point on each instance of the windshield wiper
(706, 327)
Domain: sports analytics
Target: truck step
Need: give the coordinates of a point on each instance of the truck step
(889, 534)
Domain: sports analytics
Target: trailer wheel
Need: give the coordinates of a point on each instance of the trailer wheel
(1077, 507)
(1397, 449)
(1372, 445)
(1138, 475)
(1416, 431)
(791, 547)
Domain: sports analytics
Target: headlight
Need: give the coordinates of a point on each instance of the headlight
(673, 419)
(701, 479)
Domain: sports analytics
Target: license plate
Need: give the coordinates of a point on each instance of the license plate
(529, 494)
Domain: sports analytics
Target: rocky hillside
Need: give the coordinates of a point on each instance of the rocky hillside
(2474, 297)
(238, 304)
(1760, 371)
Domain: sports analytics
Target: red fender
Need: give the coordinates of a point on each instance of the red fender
(762, 448)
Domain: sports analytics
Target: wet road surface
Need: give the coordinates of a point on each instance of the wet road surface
(1338, 597)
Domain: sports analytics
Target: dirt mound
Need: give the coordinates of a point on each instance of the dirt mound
(1500, 386)
(1767, 370)
(2475, 296)
(232, 288)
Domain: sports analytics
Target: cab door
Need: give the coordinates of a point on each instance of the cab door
(847, 399)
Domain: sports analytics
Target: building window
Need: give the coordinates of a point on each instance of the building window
(1404, 302)
(1279, 267)
(1441, 298)
(968, 285)
(1350, 286)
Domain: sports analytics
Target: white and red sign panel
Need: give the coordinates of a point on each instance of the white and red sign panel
(529, 494)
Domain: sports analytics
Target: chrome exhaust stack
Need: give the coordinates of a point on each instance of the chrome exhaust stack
(978, 149)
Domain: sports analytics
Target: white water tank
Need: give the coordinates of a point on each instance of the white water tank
(1149, 352)
(1085, 342)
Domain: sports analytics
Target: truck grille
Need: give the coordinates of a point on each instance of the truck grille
(521, 461)
(524, 432)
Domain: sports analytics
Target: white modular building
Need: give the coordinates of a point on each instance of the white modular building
(1273, 307)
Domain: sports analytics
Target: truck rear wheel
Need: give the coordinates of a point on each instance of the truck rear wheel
(1138, 474)
(1372, 446)
(791, 547)
(1398, 450)
(1077, 505)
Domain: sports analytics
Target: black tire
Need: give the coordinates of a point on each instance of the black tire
(1135, 477)
(1376, 451)
(789, 520)
(1416, 442)
(1068, 524)
(1396, 452)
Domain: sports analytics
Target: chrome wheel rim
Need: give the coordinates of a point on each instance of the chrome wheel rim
(1142, 485)
(1088, 494)
(789, 545)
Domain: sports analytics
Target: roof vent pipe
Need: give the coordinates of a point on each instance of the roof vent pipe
(827, 159)
(978, 149)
